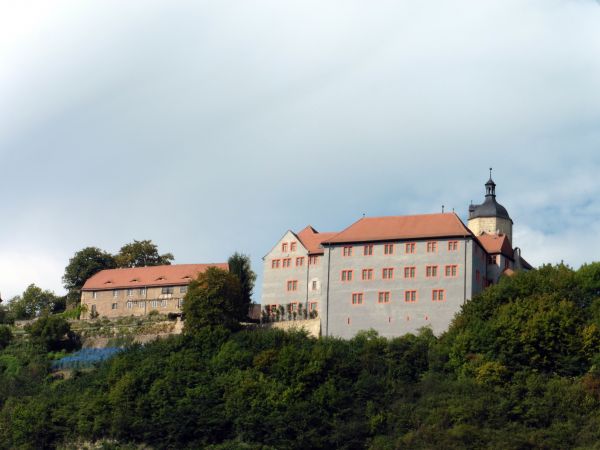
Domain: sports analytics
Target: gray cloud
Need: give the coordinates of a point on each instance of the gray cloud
(215, 126)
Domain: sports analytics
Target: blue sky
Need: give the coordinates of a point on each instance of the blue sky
(211, 127)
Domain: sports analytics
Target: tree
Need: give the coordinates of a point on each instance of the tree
(239, 265)
(33, 302)
(214, 298)
(141, 254)
(5, 336)
(83, 265)
(53, 333)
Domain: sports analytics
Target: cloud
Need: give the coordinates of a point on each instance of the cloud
(213, 127)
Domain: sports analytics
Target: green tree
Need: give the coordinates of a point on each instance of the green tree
(5, 336)
(82, 266)
(239, 265)
(141, 254)
(53, 333)
(33, 302)
(214, 298)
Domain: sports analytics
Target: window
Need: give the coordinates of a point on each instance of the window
(431, 271)
(286, 262)
(129, 304)
(367, 274)
(409, 247)
(357, 298)
(129, 292)
(292, 285)
(293, 246)
(284, 247)
(312, 260)
(312, 306)
(492, 259)
(452, 246)
(346, 275)
(114, 306)
(410, 296)
(180, 303)
(314, 285)
(383, 297)
(347, 250)
(163, 303)
(143, 292)
(94, 294)
(154, 303)
(275, 264)
(299, 261)
(115, 293)
(438, 295)
(183, 289)
(451, 270)
(141, 304)
(388, 273)
(409, 272)
(432, 247)
(368, 250)
(388, 249)
(293, 306)
(166, 290)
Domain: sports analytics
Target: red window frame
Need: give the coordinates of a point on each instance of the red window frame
(292, 285)
(387, 273)
(357, 299)
(313, 306)
(347, 250)
(346, 275)
(410, 247)
(438, 295)
(453, 268)
(432, 246)
(275, 263)
(388, 249)
(284, 247)
(369, 273)
(431, 271)
(383, 297)
(411, 270)
(313, 260)
(299, 261)
(293, 246)
(453, 246)
(286, 262)
(368, 250)
(410, 296)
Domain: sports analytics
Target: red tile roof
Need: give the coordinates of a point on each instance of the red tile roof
(496, 243)
(420, 226)
(311, 239)
(171, 275)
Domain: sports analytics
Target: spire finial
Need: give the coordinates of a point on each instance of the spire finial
(490, 173)
(442, 208)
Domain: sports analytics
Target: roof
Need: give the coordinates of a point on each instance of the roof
(421, 226)
(167, 275)
(489, 208)
(496, 243)
(312, 239)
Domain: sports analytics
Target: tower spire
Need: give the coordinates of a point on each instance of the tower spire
(490, 187)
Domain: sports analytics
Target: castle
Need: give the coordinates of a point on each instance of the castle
(393, 274)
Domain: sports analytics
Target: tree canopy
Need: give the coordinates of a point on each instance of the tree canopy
(33, 302)
(214, 299)
(84, 264)
(239, 265)
(141, 254)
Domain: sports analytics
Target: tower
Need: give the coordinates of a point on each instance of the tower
(490, 217)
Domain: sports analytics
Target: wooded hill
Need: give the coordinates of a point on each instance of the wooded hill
(519, 368)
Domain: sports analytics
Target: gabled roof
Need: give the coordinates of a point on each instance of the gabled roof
(422, 226)
(496, 243)
(312, 239)
(168, 275)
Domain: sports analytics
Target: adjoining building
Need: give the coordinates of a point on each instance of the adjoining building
(394, 274)
(138, 291)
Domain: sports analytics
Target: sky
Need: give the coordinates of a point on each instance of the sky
(212, 127)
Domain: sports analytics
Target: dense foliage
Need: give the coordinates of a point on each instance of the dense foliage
(239, 265)
(519, 368)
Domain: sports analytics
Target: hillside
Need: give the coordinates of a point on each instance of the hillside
(519, 368)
